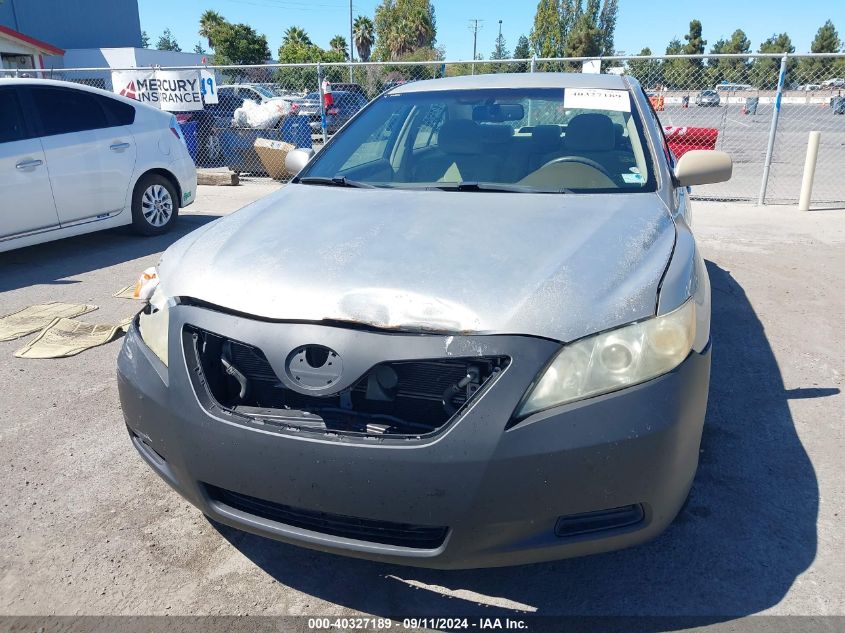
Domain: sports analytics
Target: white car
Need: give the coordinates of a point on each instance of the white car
(75, 159)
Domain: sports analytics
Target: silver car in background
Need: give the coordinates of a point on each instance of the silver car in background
(708, 98)
(473, 331)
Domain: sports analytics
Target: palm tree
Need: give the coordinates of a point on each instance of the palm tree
(339, 45)
(363, 36)
(209, 20)
(296, 35)
(421, 27)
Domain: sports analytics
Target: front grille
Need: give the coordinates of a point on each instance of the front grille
(384, 532)
(425, 394)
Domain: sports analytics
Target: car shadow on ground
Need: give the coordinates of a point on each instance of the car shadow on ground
(54, 262)
(746, 533)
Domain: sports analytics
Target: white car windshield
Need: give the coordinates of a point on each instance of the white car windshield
(547, 140)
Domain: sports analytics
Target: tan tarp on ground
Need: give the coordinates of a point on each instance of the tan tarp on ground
(34, 318)
(126, 293)
(68, 337)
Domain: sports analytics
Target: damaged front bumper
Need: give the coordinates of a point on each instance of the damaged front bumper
(592, 476)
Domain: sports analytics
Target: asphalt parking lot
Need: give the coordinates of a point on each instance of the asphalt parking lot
(745, 138)
(88, 529)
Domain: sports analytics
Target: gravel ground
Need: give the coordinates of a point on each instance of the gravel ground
(88, 529)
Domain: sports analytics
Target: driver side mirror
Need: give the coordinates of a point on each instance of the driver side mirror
(703, 167)
(297, 159)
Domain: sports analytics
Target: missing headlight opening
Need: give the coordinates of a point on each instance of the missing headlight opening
(408, 398)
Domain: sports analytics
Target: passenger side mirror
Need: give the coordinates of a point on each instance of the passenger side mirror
(297, 159)
(702, 167)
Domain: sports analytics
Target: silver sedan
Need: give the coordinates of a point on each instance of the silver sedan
(473, 331)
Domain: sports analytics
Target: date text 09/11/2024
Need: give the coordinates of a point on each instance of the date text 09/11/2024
(364, 623)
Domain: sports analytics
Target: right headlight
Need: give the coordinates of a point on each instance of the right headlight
(615, 359)
(153, 323)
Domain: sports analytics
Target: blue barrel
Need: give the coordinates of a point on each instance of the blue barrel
(238, 151)
(296, 131)
(189, 131)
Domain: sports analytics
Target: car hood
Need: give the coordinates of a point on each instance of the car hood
(551, 265)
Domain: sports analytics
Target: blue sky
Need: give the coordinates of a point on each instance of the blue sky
(641, 23)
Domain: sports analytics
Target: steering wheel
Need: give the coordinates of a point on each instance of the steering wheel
(580, 159)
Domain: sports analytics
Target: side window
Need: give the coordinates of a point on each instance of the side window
(64, 110)
(118, 113)
(12, 126)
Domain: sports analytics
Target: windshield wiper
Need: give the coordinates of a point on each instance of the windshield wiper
(337, 181)
(494, 187)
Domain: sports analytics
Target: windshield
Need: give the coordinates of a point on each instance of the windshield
(264, 91)
(546, 140)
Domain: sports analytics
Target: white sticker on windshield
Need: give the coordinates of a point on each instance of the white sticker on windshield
(631, 179)
(596, 99)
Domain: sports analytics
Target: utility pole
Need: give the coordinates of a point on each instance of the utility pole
(474, 26)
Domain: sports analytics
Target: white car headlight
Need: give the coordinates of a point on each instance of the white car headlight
(153, 323)
(612, 360)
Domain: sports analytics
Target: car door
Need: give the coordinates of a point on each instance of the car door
(91, 159)
(26, 199)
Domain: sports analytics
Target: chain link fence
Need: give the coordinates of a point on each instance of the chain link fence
(758, 108)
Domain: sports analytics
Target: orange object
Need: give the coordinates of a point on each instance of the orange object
(657, 102)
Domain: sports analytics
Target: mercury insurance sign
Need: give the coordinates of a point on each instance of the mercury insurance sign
(171, 90)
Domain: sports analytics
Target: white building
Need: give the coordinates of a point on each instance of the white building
(21, 52)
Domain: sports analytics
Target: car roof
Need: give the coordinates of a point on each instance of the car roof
(6, 81)
(515, 80)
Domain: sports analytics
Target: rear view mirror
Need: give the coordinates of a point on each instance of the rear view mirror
(498, 113)
(297, 159)
(703, 167)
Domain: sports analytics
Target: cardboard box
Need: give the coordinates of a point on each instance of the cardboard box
(272, 155)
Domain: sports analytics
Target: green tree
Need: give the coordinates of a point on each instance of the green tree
(363, 35)
(167, 42)
(585, 39)
(523, 48)
(296, 35)
(209, 20)
(338, 44)
(686, 73)
(239, 44)
(522, 51)
(732, 69)
(297, 48)
(647, 71)
(695, 43)
(145, 40)
(675, 72)
(548, 38)
(764, 71)
(199, 50)
(607, 26)
(500, 50)
(817, 69)
(403, 26)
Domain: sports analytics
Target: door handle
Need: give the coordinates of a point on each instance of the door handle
(118, 146)
(26, 164)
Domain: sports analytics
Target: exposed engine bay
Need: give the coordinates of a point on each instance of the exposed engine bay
(393, 398)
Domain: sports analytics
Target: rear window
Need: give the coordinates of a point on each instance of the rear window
(118, 113)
